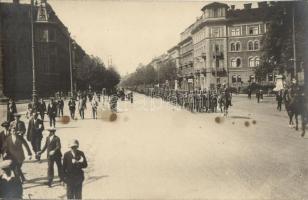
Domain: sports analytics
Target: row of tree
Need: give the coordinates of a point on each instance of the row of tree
(278, 42)
(91, 71)
(150, 75)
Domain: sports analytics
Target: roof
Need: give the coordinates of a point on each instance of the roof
(215, 5)
(173, 48)
(250, 15)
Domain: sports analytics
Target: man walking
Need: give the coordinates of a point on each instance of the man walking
(42, 108)
(82, 106)
(18, 125)
(34, 133)
(60, 107)
(52, 113)
(11, 110)
(94, 105)
(73, 163)
(72, 107)
(53, 147)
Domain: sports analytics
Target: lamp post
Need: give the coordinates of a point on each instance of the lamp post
(294, 45)
(71, 67)
(33, 56)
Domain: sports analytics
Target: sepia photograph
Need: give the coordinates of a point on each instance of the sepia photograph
(153, 99)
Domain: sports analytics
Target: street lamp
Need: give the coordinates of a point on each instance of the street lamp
(33, 56)
(71, 67)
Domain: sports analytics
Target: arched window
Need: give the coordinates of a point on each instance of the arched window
(234, 79)
(256, 44)
(238, 62)
(239, 79)
(250, 45)
(251, 62)
(238, 46)
(232, 47)
(257, 61)
(233, 62)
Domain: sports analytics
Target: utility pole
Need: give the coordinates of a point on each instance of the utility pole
(33, 51)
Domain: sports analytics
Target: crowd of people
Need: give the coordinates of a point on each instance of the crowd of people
(200, 101)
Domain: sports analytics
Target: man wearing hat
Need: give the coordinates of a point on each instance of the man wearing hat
(73, 163)
(52, 112)
(34, 133)
(53, 147)
(18, 125)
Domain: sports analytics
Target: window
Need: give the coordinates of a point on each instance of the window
(52, 35)
(234, 79)
(236, 31)
(232, 47)
(215, 32)
(253, 30)
(239, 79)
(233, 62)
(267, 27)
(256, 44)
(251, 62)
(41, 35)
(238, 46)
(257, 61)
(250, 45)
(238, 62)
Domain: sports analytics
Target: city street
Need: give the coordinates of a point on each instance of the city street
(155, 150)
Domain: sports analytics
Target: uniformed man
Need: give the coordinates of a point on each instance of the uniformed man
(54, 155)
(73, 163)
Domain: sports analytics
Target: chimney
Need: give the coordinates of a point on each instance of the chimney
(262, 4)
(16, 1)
(232, 7)
(247, 6)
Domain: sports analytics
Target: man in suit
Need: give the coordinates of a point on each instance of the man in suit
(3, 135)
(60, 107)
(52, 112)
(72, 107)
(11, 109)
(53, 147)
(13, 150)
(73, 163)
(42, 108)
(18, 125)
(34, 133)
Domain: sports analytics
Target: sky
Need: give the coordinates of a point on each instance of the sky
(128, 32)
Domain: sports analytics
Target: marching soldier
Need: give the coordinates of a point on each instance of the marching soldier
(34, 133)
(54, 155)
(73, 163)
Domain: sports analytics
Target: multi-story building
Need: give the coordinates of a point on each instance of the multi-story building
(52, 48)
(225, 44)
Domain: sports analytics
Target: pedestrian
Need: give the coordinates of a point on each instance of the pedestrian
(60, 105)
(11, 110)
(10, 185)
(34, 134)
(82, 106)
(19, 125)
(94, 105)
(13, 149)
(73, 163)
(54, 155)
(52, 112)
(258, 96)
(113, 102)
(72, 107)
(249, 93)
(42, 108)
(3, 135)
(279, 100)
(131, 97)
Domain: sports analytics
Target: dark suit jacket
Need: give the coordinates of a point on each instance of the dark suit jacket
(73, 172)
(20, 127)
(52, 109)
(35, 129)
(53, 145)
(15, 150)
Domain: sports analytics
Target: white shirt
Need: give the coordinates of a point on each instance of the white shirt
(50, 138)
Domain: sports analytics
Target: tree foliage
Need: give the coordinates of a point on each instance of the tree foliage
(92, 71)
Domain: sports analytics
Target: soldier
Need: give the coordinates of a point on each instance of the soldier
(53, 147)
(52, 112)
(19, 125)
(72, 107)
(73, 163)
(34, 133)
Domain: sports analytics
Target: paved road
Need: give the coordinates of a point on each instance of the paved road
(154, 150)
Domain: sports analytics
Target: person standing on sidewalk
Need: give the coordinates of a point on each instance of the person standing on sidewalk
(34, 133)
(72, 107)
(73, 163)
(3, 135)
(13, 150)
(11, 110)
(54, 155)
(52, 112)
(60, 107)
(82, 105)
(279, 100)
(18, 125)
(94, 105)
(42, 108)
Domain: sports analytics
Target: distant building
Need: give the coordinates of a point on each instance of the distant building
(52, 55)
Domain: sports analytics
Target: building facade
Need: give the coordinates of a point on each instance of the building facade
(225, 45)
(52, 49)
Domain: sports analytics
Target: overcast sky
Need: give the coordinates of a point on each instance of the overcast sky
(130, 32)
